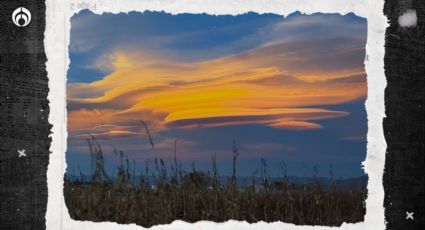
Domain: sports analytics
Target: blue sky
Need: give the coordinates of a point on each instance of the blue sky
(317, 60)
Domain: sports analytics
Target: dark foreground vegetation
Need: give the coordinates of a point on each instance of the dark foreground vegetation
(168, 193)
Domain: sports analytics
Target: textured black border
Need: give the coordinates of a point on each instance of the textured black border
(24, 111)
(404, 123)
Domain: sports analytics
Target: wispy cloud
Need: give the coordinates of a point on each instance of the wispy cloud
(282, 80)
(250, 88)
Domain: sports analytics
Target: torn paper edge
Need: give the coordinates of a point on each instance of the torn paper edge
(57, 38)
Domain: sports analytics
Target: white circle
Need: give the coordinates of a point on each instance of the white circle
(20, 14)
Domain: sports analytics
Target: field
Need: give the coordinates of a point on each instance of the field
(169, 193)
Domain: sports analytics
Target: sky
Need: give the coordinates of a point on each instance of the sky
(287, 89)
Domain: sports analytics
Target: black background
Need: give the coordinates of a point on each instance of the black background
(24, 111)
(404, 123)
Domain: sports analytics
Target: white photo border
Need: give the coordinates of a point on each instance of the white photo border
(57, 38)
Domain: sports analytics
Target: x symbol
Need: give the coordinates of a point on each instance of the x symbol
(22, 153)
(409, 215)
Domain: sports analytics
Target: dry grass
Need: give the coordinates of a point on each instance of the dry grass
(194, 196)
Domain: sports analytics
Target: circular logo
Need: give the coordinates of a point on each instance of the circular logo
(21, 17)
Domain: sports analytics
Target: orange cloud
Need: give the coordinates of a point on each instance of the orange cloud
(249, 88)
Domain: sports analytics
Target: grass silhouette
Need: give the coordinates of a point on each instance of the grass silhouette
(169, 193)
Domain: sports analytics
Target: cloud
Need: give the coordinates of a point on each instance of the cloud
(281, 82)
(296, 125)
(242, 89)
(108, 134)
(205, 37)
(290, 118)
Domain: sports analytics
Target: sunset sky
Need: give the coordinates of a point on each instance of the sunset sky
(286, 89)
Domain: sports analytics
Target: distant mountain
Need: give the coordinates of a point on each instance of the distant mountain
(355, 182)
(341, 183)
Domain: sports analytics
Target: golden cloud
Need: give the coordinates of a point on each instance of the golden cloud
(249, 88)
